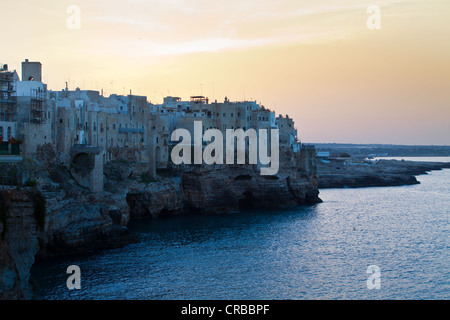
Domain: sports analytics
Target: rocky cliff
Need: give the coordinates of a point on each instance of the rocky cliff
(364, 173)
(73, 220)
(79, 221)
(215, 189)
(18, 243)
(87, 223)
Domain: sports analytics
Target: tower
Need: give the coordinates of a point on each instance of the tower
(31, 71)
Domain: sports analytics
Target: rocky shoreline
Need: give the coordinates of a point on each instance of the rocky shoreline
(348, 173)
(78, 221)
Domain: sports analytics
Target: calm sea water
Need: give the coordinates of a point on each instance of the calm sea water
(315, 252)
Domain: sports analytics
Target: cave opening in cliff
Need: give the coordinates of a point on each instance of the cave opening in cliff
(247, 202)
(243, 177)
(164, 213)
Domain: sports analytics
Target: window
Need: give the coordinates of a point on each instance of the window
(1, 132)
(114, 127)
(8, 133)
(232, 114)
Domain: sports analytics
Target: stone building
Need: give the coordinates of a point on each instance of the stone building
(120, 127)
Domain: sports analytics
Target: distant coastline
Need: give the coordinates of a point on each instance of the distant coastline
(376, 165)
(384, 150)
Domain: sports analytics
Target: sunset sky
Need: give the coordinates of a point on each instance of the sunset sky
(315, 60)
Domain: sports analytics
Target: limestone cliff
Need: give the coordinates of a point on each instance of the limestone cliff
(356, 173)
(85, 223)
(213, 189)
(78, 221)
(18, 243)
(164, 197)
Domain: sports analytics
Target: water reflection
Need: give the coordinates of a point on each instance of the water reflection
(314, 252)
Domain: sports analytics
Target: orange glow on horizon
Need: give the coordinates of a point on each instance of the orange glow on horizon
(316, 60)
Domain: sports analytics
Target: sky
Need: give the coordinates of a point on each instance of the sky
(314, 60)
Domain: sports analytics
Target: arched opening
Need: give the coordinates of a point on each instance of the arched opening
(83, 163)
(164, 213)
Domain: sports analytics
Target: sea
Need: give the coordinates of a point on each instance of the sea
(379, 243)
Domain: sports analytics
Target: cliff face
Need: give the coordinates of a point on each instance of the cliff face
(86, 223)
(234, 188)
(18, 244)
(229, 188)
(156, 199)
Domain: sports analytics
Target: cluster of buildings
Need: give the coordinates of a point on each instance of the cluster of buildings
(121, 127)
